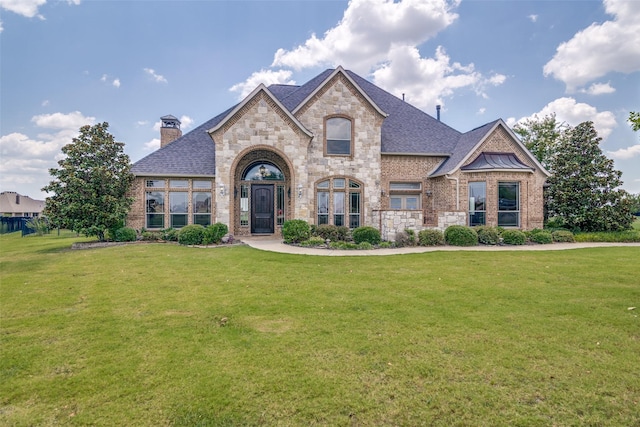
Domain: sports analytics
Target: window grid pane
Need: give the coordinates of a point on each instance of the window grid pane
(509, 204)
(477, 203)
(280, 203)
(323, 207)
(244, 205)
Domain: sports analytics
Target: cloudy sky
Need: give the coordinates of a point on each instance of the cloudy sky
(68, 63)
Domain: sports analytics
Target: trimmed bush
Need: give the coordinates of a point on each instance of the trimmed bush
(295, 231)
(385, 245)
(151, 236)
(365, 246)
(514, 237)
(313, 241)
(125, 234)
(170, 234)
(404, 238)
(488, 235)
(366, 234)
(460, 235)
(343, 245)
(331, 232)
(214, 233)
(541, 236)
(430, 237)
(191, 234)
(563, 236)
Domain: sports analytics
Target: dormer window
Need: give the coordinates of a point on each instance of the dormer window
(338, 136)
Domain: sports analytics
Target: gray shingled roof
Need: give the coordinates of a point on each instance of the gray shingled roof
(465, 144)
(406, 130)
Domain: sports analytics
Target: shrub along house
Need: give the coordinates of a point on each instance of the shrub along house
(335, 150)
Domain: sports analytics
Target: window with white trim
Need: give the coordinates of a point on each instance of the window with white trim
(338, 136)
(477, 203)
(405, 195)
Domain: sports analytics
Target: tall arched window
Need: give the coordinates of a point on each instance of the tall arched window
(338, 136)
(339, 202)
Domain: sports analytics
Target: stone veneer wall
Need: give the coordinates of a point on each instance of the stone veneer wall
(392, 222)
(261, 124)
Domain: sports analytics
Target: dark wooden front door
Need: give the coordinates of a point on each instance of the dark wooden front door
(262, 208)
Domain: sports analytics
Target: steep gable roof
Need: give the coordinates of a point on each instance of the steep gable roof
(469, 142)
(245, 101)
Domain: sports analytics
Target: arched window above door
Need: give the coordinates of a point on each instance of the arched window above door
(262, 172)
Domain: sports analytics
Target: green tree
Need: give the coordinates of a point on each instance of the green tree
(583, 189)
(90, 186)
(634, 120)
(541, 136)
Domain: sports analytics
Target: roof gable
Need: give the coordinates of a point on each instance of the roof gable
(260, 89)
(471, 141)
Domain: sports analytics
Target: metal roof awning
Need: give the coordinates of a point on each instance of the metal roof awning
(496, 161)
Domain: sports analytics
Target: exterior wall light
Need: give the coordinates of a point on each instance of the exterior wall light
(222, 189)
(299, 191)
(428, 193)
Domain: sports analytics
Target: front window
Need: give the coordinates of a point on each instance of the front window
(477, 203)
(202, 208)
(338, 136)
(154, 201)
(405, 195)
(178, 201)
(509, 204)
(339, 202)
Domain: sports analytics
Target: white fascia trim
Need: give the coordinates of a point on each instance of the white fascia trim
(332, 75)
(261, 87)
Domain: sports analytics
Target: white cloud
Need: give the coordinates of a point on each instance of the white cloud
(45, 103)
(156, 77)
(599, 89)
(103, 78)
(573, 113)
(116, 82)
(26, 8)
(626, 153)
(406, 72)
(369, 29)
(600, 48)
(25, 161)
(267, 77)
(152, 145)
(73, 120)
(533, 18)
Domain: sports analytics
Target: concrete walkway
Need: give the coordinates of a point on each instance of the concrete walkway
(273, 245)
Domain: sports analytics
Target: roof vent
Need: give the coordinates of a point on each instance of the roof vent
(438, 112)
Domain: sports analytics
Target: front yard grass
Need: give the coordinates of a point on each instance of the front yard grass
(155, 334)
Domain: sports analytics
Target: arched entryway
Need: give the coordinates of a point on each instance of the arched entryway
(262, 193)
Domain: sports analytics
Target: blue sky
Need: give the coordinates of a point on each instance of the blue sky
(64, 64)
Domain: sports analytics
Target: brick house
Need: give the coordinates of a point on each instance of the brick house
(335, 150)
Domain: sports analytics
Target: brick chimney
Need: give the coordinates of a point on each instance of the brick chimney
(170, 130)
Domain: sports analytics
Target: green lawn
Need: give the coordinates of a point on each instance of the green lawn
(159, 334)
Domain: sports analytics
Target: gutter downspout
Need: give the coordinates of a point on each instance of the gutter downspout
(457, 180)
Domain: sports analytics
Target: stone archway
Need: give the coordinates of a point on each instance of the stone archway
(262, 180)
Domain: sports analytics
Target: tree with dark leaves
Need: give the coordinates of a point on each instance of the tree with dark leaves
(91, 184)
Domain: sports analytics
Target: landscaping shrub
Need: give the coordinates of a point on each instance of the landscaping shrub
(488, 235)
(563, 236)
(405, 238)
(366, 234)
(385, 245)
(365, 246)
(459, 235)
(150, 236)
(430, 237)
(514, 237)
(169, 234)
(331, 232)
(125, 234)
(295, 231)
(343, 245)
(191, 234)
(631, 236)
(540, 236)
(214, 233)
(313, 241)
